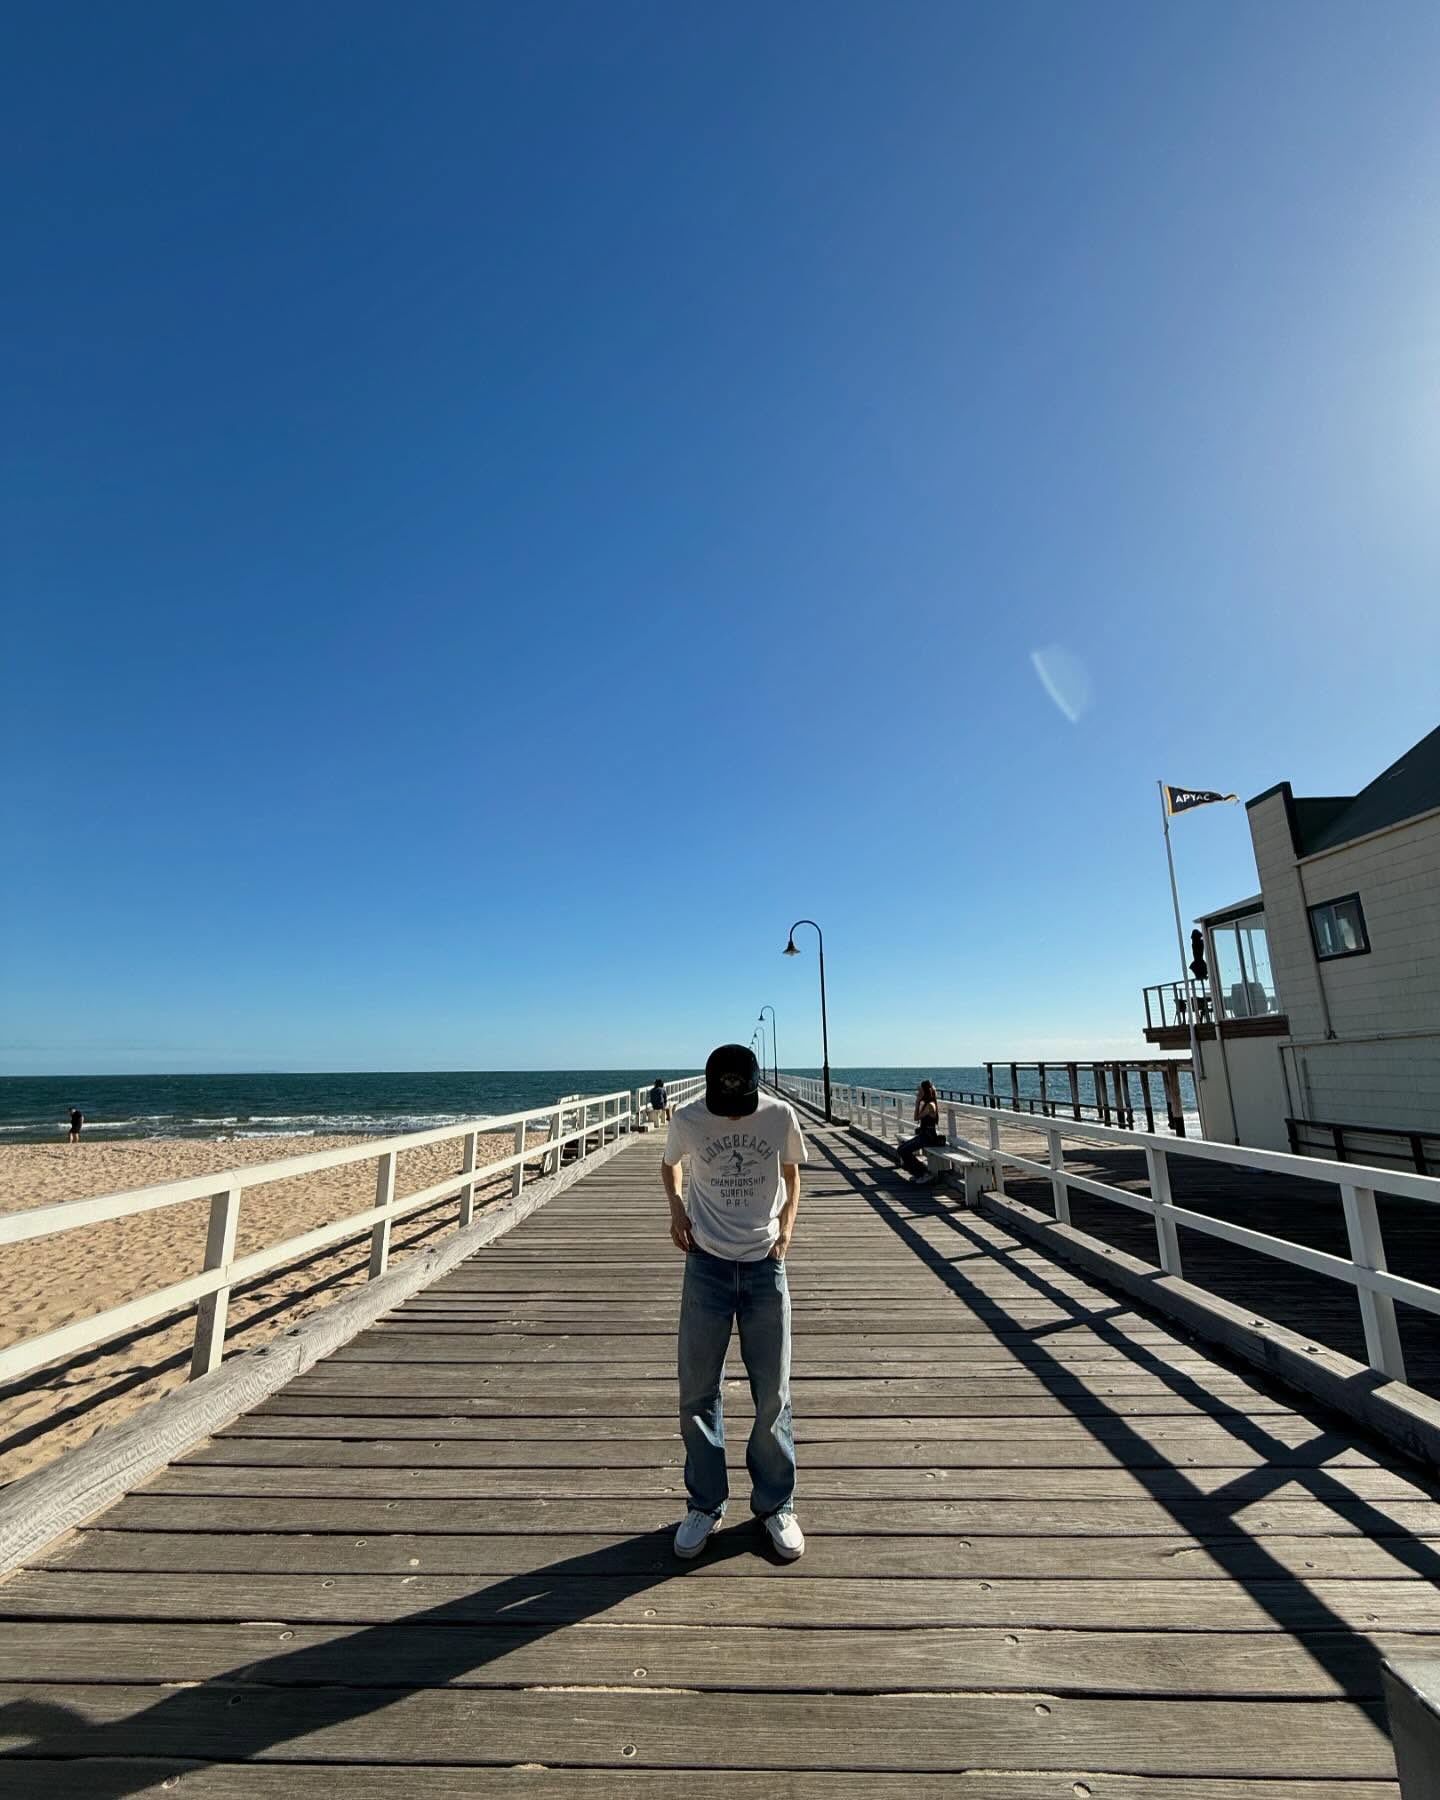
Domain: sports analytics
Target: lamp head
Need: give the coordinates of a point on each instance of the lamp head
(790, 949)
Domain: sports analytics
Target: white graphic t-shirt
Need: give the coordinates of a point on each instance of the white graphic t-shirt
(733, 1189)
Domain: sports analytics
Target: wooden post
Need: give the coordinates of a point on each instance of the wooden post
(214, 1308)
(1377, 1311)
(1074, 1073)
(1126, 1116)
(1044, 1092)
(1167, 1233)
(553, 1155)
(1412, 1699)
(990, 1082)
(1170, 1076)
(1059, 1189)
(994, 1124)
(1102, 1091)
(384, 1196)
(952, 1129)
(1145, 1090)
(467, 1169)
(517, 1174)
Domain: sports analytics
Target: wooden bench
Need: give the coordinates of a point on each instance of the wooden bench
(972, 1173)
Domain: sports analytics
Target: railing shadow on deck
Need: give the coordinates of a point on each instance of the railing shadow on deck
(249, 1709)
(1238, 1555)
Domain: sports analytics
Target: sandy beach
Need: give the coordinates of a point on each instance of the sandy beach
(52, 1281)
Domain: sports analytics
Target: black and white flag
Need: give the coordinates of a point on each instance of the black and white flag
(1178, 799)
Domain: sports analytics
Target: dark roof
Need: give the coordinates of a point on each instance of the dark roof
(1242, 909)
(1410, 786)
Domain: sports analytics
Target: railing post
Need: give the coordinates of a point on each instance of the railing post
(993, 1122)
(467, 1169)
(1170, 1081)
(952, 1128)
(1059, 1189)
(384, 1196)
(556, 1155)
(1073, 1072)
(1412, 1700)
(214, 1308)
(1167, 1233)
(1377, 1311)
(517, 1174)
(1149, 1105)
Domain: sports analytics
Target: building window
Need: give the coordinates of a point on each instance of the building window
(1240, 957)
(1338, 928)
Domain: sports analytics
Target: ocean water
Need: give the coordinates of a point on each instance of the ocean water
(36, 1109)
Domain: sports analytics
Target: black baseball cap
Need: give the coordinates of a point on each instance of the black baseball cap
(732, 1081)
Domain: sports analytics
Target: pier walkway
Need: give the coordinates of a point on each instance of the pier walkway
(1055, 1550)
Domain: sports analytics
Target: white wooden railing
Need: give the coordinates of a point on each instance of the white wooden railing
(586, 1121)
(886, 1114)
(687, 1088)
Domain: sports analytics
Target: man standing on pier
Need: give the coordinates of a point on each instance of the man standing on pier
(734, 1220)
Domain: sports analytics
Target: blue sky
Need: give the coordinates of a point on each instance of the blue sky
(505, 507)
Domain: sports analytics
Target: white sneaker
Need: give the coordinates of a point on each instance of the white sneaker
(785, 1534)
(695, 1527)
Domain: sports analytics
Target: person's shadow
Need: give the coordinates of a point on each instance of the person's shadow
(257, 1706)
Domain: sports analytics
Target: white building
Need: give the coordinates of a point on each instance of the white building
(1325, 986)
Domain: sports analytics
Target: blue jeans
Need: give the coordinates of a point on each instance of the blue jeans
(716, 1292)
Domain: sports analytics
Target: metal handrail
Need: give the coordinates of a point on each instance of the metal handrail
(1421, 1148)
(1376, 1289)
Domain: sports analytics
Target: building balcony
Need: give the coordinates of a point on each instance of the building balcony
(1247, 1009)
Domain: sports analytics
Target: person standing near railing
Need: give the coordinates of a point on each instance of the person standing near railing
(927, 1132)
(659, 1103)
(734, 1219)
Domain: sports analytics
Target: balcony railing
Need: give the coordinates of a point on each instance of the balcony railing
(1172, 1005)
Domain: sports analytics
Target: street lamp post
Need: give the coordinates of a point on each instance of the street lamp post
(760, 1033)
(792, 950)
(774, 1041)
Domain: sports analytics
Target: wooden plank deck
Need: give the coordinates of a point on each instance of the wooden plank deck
(1054, 1550)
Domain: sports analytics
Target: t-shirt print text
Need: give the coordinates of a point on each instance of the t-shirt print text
(736, 1166)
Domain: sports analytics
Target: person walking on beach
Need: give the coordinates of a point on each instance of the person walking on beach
(77, 1120)
(927, 1130)
(659, 1102)
(734, 1218)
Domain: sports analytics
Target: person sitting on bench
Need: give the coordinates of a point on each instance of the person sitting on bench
(927, 1130)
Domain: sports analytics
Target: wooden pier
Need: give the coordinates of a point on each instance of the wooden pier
(1055, 1550)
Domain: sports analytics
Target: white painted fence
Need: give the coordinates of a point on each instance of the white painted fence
(679, 1091)
(586, 1121)
(887, 1114)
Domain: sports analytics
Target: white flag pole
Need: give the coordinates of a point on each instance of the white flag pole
(1197, 1068)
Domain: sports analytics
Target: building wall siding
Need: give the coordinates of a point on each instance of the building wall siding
(1286, 926)
(1396, 987)
(1355, 1078)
